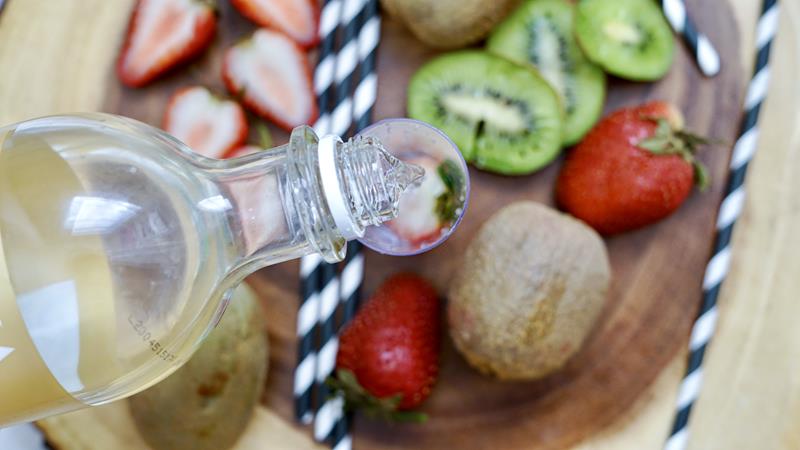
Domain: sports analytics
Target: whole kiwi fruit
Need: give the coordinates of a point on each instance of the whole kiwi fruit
(531, 287)
(207, 403)
(448, 24)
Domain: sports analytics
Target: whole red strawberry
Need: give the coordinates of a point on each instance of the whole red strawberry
(391, 348)
(635, 167)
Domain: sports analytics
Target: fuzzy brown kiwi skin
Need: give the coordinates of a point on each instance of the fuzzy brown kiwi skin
(449, 24)
(531, 287)
(207, 403)
(389, 7)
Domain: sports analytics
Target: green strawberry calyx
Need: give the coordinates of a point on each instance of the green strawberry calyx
(357, 398)
(449, 202)
(264, 136)
(211, 4)
(671, 141)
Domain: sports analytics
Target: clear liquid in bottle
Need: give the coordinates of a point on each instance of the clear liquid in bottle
(119, 246)
(100, 286)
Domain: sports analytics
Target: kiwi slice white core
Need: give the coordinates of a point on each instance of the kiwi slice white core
(622, 32)
(628, 38)
(503, 116)
(476, 108)
(548, 52)
(540, 35)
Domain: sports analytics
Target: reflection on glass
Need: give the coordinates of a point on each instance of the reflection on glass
(97, 216)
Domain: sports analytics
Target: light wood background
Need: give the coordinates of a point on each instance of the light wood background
(55, 56)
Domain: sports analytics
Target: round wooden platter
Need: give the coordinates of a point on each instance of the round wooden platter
(657, 271)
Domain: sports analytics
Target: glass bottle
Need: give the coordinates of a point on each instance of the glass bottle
(119, 246)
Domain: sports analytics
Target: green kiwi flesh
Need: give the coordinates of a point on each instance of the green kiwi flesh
(628, 38)
(503, 117)
(540, 33)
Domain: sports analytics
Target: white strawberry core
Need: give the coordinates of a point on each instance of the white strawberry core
(270, 71)
(162, 29)
(206, 124)
(417, 213)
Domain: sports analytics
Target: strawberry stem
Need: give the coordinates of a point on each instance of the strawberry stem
(212, 4)
(701, 177)
(356, 398)
(667, 140)
(264, 136)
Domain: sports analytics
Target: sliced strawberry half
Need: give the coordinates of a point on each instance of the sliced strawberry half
(434, 205)
(163, 34)
(298, 19)
(273, 76)
(209, 125)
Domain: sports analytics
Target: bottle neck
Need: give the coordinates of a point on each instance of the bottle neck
(362, 182)
(309, 196)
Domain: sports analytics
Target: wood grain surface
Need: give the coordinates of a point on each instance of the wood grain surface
(111, 427)
(657, 271)
(656, 275)
(751, 399)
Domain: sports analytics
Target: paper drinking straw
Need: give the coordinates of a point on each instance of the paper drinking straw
(346, 63)
(330, 16)
(703, 51)
(367, 89)
(310, 266)
(730, 209)
(326, 407)
(306, 334)
(363, 104)
(331, 424)
(329, 410)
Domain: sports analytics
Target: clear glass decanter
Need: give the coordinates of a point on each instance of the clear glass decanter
(119, 247)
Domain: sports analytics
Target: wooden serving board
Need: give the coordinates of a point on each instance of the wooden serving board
(657, 271)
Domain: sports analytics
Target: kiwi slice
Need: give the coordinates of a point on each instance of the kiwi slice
(540, 33)
(503, 117)
(628, 38)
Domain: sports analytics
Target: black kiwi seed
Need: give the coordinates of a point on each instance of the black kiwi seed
(540, 35)
(604, 29)
(503, 117)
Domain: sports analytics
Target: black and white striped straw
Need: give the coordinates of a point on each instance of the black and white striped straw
(306, 336)
(730, 210)
(705, 55)
(311, 265)
(325, 69)
(346, 64)
(332, 424)
(352, 278)
(326, 407)
(364, 96)
(367, 90)
(329, 408)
